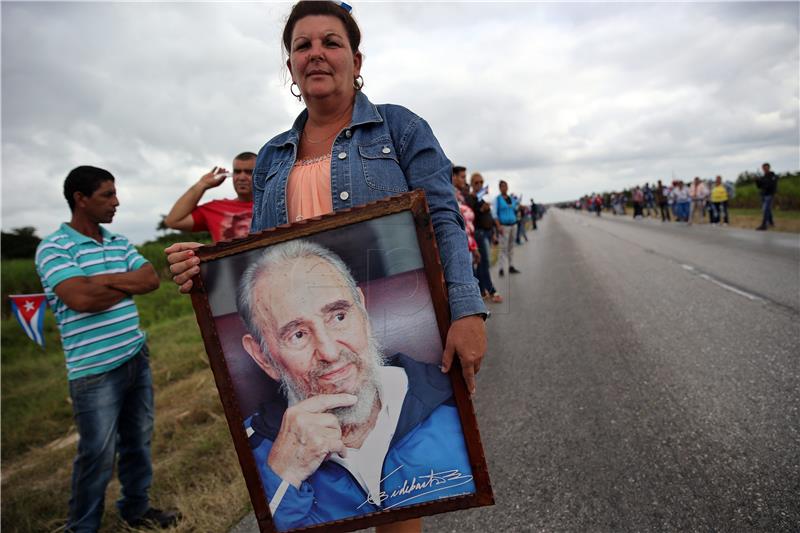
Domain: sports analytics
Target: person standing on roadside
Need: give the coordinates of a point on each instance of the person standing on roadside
(485, 225)
(598, 204)
(682, 201)
(89, 276)
(534, 213)
(505, 207)
(719, 202)
(649, 200)
(460, 187)
(522, 215)
(662, 194)
(768, 185)
(338, 143)
(699, 194)
(638, 202)
(343, 151)
(223, 219)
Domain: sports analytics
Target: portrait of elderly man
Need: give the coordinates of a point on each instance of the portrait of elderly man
(355, 431)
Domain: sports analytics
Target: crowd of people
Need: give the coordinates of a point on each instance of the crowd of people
(492, 221)
(682, 202)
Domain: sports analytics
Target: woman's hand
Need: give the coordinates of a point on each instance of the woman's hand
(467, 338)
(183, 263)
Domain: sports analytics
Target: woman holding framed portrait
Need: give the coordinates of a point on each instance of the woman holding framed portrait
(344, 151)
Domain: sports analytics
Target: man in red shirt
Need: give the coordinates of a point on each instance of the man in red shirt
(224, 219)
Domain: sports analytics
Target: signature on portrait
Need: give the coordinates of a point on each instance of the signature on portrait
(418, 486)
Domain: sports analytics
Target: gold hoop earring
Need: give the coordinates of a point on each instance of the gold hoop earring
(299, 95)
(358, 82)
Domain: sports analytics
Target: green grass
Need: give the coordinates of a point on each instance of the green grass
(756, 212)
(749, 218)
(34, 386)
(195, 466)
(19, 275)
(788, 197)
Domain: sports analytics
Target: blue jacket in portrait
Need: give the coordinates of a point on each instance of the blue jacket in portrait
(427, 458)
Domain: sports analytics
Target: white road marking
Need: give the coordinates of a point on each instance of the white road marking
(725, 286)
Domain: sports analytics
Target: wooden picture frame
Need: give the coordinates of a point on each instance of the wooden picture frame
(390, 249)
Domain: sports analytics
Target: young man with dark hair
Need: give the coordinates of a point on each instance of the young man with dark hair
(224, 219)
(505, 208)
(89, 276)
(768, 185)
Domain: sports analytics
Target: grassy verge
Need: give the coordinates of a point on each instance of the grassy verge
(788, 197)
(195, 465)
(750, 218)
(20, 277)
(788, 221)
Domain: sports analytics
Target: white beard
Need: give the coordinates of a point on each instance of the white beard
(368, 395)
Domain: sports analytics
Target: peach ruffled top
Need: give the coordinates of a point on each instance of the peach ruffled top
(308, 191)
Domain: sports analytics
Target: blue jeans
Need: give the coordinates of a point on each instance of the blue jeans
(683, 210)
(484, 237)
(113, 412)
(766, 207)
(521, 233)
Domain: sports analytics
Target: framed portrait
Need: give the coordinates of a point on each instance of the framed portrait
(325, 338)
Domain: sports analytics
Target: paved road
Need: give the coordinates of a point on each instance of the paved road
(643, 377)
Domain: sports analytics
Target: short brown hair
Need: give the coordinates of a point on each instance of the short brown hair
(305, 8)
(245, 156)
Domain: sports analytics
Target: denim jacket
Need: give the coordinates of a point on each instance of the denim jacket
(385, 150)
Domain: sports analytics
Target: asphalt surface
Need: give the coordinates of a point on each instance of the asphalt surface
(641, 377)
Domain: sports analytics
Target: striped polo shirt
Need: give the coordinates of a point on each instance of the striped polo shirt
(93, 342)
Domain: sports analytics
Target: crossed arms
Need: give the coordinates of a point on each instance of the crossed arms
(90, 294)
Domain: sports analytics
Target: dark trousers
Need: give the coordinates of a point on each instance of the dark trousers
(766, 207)
(484, 238)
(664, 207)
(719, 209)
(114, 413)
(521, 233)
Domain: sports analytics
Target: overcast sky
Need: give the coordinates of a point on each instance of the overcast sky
(559, 99)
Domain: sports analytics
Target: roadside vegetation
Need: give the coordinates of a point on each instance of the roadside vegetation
(195, 465)
(750, 218)
(749, 197)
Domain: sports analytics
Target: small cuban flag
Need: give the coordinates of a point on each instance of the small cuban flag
(29, 310)
(483, 192)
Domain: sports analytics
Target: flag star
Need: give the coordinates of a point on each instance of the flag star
(29, 305)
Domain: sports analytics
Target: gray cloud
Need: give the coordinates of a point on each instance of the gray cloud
(559, 99)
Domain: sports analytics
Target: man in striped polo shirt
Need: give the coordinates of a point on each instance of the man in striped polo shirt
(89, 275)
